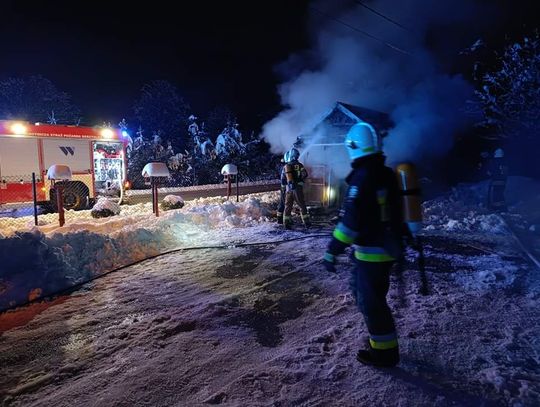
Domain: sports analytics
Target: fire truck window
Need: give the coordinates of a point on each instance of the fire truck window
(108, 165)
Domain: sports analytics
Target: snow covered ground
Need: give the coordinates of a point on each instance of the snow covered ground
(266, 325)
(41, 260)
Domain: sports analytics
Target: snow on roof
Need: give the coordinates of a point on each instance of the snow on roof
(343, 115)
(380, 120)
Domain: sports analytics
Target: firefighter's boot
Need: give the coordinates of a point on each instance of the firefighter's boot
(306, 220)
(280, 218)
(287, 222)
(378, 357)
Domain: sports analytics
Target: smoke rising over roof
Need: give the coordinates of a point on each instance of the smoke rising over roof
(400, 72)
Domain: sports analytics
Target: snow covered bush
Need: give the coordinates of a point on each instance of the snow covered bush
(172, 202)
(462, 211)
(509, 93)
(104, 208)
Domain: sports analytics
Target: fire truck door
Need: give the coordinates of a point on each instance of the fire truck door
(74, 153)
(18, 160)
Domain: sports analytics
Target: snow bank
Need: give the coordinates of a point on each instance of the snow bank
(463, 210)
(246, 213)
(523, 196)
(49, 258)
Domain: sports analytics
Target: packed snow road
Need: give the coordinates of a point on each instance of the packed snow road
(266, 325)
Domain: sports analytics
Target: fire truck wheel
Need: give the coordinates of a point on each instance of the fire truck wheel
(76, 196)
(73, 200)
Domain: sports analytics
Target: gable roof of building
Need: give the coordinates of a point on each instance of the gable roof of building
(380, 120)
(343, 115)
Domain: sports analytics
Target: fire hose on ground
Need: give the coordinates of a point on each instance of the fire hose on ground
(75, 287)
(78, 285)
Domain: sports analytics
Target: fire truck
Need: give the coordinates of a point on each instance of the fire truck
(95, 155)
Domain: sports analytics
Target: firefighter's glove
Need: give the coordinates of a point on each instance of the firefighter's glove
(329, 262)
(290, 187)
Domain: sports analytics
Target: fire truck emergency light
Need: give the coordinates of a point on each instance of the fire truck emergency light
(107, 133)
(18, 129)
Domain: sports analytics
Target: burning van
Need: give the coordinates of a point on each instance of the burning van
(324, 155)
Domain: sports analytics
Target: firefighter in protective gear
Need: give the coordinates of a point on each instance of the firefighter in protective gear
(282, 189)
(498, 171)
(293, 175)
(373, 221)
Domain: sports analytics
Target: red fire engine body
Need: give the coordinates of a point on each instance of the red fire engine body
(96, 156)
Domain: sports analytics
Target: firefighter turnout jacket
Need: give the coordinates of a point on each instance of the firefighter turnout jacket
(372, 216)
(293, 172)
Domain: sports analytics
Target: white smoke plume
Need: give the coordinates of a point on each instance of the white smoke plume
(425, 101)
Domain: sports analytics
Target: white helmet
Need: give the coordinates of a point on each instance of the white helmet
(499, 153)
(291, 155)
(362, 140)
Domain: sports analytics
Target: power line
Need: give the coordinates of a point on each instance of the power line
(395, 48)
(381, 15)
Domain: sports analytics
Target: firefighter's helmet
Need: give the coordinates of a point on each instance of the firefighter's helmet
(499, 153)
(292, 155)
(362, 140)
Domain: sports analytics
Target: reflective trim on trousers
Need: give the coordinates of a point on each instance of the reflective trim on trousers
(344, 234)
(372, 254)
(383, 342)
(329, 257)
(348, 231)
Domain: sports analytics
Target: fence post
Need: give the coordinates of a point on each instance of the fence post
(237, 192)
(34, 196)
(60, 204)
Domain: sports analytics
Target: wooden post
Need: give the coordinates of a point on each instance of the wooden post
(155, 196)
(228, 186)
(237, 192)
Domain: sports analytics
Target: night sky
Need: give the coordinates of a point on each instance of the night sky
(215, 52)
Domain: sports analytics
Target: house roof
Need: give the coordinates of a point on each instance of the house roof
(343, 115)
(381, 121)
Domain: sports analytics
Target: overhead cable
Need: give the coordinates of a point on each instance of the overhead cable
(360, 3)
(389, 45)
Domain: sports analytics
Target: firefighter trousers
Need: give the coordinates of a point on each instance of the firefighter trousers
(496, 199)
(369, 284)
(297, 195)
(281, 207)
